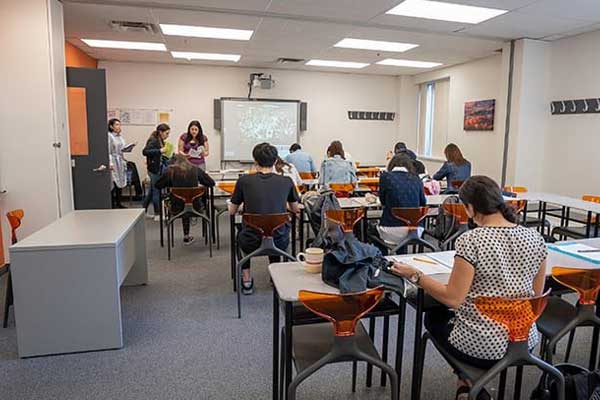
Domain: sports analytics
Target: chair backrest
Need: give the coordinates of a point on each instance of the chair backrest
(456, 184)
(515, 189)
(458, 210)
(188, 194)
(226, 186)
(590, 197)
(308, 175)
(517, 205)
(516, 315)
(342, 189)
(369, 172)
(347, 218)
(343, 310)
(265, 224)
(371, 183)
(410, 216)
(586, 282)
(14, 220)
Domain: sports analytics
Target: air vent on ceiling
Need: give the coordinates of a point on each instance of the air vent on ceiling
(285, 60)
(131, 26)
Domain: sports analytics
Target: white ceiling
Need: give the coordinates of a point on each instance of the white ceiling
(309, 28)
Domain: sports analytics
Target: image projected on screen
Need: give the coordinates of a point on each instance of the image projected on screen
(247, 123)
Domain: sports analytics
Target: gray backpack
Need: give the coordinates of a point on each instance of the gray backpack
(316, 205)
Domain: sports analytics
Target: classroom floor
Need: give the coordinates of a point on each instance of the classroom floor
(183, 341)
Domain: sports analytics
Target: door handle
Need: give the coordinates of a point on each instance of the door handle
(101, 168)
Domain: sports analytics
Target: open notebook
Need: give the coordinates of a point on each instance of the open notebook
(578, 250)
(425, 264)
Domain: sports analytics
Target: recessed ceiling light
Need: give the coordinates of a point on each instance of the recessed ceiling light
(445, 11)
(117, 44)
(205, 32)
(206, 56)
(338, 64)
(375, 45)
(408, 63)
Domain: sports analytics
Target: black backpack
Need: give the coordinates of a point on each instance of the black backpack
(316, 204)
(445, 224)
(580, 384)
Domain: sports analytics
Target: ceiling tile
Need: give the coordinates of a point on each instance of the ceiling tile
(254, 5)
(197, 18)
(587, 10)
(359, 10)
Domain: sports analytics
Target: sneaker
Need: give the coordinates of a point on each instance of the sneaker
(188, 240)
(157, 218)
(248, 287)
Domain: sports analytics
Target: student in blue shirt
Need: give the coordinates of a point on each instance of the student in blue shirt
(456, 168)
(336, 169)
(299, 159)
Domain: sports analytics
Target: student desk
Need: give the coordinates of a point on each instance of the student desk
(288, 279)
(567, 203)
(66, 280)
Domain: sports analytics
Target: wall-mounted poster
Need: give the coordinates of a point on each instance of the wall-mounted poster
(479, 115)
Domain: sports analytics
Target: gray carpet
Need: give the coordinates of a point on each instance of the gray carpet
(183, 341)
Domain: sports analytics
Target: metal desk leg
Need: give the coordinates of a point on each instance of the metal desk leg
(588, 225)
(596, 225)
(301, 229)
(544, 207)
(294, 223)
(160, 213)
(275, 344)
(400, 339)
(418, 333)
(213, 220)
(232, 249)
(288, 346)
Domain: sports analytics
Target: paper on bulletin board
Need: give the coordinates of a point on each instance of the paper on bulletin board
(164, 117)
(134, 116)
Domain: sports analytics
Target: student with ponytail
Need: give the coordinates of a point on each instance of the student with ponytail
(153, 151)
(498, 258)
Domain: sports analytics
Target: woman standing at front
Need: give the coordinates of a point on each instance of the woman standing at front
(154, 150)
(117, 163)
(194, 145)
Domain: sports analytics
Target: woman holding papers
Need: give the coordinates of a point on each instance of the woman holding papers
(194, 145)
(498, 259)
(117, 162)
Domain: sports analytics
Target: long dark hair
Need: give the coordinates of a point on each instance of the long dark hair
(402, 160)
(484, 194)
(159, 129)
(182, 169)
(200, 137)
(400, 147)
(111, 122)
(279, 164)
(336, 149)
(454, 155)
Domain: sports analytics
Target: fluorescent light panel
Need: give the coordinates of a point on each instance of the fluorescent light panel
(408, 63)
(445, 11)
(380, 45)
(117, 44)
(206, 56)
(336, 64)
(205, 32)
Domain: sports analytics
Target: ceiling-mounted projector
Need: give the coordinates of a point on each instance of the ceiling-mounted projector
(261, 80)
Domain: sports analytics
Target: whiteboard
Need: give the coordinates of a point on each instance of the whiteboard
(247, 123)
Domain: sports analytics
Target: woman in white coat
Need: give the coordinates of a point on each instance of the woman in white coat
(118, 164)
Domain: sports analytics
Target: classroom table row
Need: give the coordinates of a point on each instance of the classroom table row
(289, 278)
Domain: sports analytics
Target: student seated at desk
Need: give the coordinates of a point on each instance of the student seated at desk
(399, 186)
(182, 173)
(263, 193)
(456, 167)
(400, 147)
(300, 159)
(336, 168)
(285, 169)
(499, 258)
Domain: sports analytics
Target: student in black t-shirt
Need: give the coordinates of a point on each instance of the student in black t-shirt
(263, 193)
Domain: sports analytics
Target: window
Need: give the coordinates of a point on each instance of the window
(433, 118)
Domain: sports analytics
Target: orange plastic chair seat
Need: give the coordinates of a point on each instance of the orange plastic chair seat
(227, 186)
(14, 219)
(515, 189)
(308, 175)
(517, 205)
(343, 310)
(593, 199)
(188, 194)
(346, 218)
(266, 224)
(369, 172)
(457, 184)
(516, 315)
(586, 282)
(459, 211)
(342, 189)
(410, 216)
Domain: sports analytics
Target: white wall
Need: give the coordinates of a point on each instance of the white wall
(190, 90)
(29, 111)
(573, 141)
(478, 80)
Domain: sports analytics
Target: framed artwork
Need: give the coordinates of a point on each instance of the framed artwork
(479, 115)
